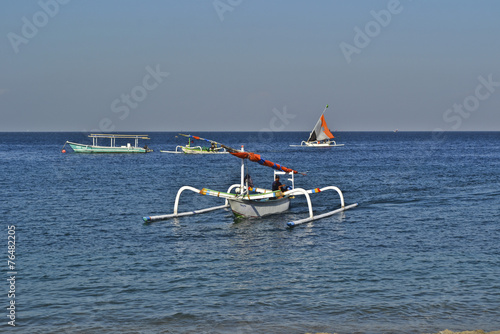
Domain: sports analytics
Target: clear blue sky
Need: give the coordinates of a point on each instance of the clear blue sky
(225, 65)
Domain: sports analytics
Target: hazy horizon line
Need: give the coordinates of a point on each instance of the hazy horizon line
(242, 131)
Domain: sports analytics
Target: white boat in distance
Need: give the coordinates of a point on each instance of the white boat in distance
(247, 201)
(198, 149)
(320, 136)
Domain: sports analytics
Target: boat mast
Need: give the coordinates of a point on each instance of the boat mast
(242, 171)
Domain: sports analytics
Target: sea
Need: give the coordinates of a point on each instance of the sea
(419, 254)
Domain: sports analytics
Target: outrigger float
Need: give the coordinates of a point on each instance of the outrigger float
(112, 148)
(198, 149)
(320, 136)
(247, 201)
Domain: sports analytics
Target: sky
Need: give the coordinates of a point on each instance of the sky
(249, 65)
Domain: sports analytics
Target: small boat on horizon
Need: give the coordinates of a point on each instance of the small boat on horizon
(320, 135)
(197, 149)
(112, 148)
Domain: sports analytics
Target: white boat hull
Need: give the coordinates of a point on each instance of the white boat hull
(200, 150)
(196, 150)
(259, 208)
(316, 144)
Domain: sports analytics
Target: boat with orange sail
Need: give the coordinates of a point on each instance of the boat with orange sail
(320, 136)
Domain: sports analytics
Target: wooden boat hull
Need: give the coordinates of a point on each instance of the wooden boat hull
(81, 148)
(258, 208)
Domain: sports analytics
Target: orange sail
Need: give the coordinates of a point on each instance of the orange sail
(320, 131)
(324, 127)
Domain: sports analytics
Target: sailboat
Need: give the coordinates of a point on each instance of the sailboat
(250, 202)
(320, 135)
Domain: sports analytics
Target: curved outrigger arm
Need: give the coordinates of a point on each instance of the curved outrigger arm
(261, 194)
(203, 191)
(300, 191)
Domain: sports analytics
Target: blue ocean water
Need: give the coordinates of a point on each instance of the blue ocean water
(420, 253)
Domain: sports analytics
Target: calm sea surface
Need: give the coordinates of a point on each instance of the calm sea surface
(420, 253)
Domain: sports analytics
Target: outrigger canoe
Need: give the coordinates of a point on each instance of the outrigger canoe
(247, 201)
(320, 136)
(197, 149)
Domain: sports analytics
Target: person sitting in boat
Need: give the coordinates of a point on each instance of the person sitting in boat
(212, 147)
(248, 180)
(277, 184)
